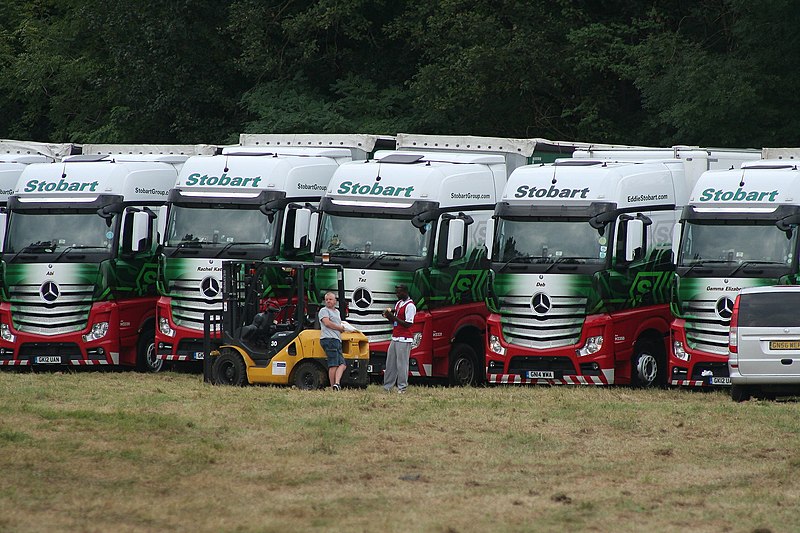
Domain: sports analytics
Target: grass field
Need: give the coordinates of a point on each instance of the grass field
(95, 451)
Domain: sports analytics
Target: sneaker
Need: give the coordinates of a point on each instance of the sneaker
(401, 391)
(336, 386)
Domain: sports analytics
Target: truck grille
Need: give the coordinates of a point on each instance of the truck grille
(67, 314)
(189, 304)
(560, 326)
(705, 330)
(370, 321)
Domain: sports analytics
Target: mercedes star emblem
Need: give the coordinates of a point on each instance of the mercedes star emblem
(724, 308)
(209, 286)
(540, 303)
(49, 291)
(362, 298)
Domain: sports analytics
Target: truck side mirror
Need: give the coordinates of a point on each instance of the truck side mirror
(676, 241)
(634, 237)
(489, 238)
(313, 228)
(302, 219)
(455, 239)
(137, 235)
(3, 216)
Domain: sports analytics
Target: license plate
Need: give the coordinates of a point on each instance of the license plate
(720, 381)
(199, 355)
(540, 374)
(48, 359)
(784, 345)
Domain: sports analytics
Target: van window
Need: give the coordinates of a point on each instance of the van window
(773, 309)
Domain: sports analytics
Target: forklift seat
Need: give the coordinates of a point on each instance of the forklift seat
(263, 325)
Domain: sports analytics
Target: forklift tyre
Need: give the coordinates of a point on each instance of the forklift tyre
(309, 376)
(229, 369)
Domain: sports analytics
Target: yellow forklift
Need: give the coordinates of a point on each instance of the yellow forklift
(258, 341)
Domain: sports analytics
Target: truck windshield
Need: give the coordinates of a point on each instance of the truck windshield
(372, 237)
(58, 233)
(547, 241)
(201, 227)
(715, 243)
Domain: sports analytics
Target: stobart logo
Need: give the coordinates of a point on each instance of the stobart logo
(375, 190)
(552, 192)
(222, 181)
(718, 195)
(60, 186)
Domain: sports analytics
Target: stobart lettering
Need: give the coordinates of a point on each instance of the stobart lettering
(60, 186)
(718, 195)
(222, 181)
(375, 190)
(552, 192)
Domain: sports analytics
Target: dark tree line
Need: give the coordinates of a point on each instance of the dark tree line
(658, 72)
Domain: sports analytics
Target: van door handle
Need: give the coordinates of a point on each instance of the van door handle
(786, 361)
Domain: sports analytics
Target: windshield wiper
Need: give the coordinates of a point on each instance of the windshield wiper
(381, 256)
(75, 247)
(750, 263)
(556, 262)
(703, 262)
(35, 247)
(231, 244)
(184, 245)
(518, 259)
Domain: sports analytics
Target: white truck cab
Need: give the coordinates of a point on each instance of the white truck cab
(79, 259)
(252, 201)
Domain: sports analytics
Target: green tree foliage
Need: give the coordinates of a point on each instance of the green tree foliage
(117, 71)
(711, 72)
(719, 72)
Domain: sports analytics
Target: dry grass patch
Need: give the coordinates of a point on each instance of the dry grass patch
(129, 452)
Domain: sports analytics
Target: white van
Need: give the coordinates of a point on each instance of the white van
(764, 342)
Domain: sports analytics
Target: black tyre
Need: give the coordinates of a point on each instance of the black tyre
(229, 369)
(648, 366)
(146, 360)
(309, 376)
(740, 393)
(464, 366)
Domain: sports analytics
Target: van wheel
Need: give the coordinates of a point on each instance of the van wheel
(229, 369)
(309, 376)
(740, 393)
(647, 365)
(463, 366)
(146, 360)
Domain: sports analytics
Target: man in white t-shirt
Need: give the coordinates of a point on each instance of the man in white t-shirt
(402, 318)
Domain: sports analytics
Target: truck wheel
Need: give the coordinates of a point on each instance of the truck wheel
(740, 393)
(464, 368)
(146, 360)
(647, 366)
(229, 369)
(309, 376)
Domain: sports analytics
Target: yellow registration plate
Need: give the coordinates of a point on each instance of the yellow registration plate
(784, 345)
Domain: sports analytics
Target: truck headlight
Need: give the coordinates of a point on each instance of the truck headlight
(99, 331)
(417, 340)
(495, 346)
(163, 326)
(6, 335)
(679, 351)
(592, 345)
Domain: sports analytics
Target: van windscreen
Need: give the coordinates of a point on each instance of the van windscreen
(765, 310)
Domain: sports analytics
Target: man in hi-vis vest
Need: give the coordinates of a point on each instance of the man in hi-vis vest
(402, 318)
